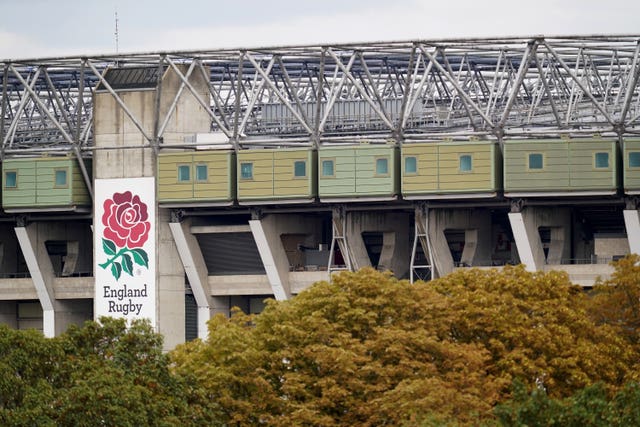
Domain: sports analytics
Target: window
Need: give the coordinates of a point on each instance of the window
(10, 179)
(327, 168)
(634, 159)
(466, 163)
(246, 170)
(382, 166)
(60, 178)
(300, 169)
(184, 173)
(202, 173)
(535, 161)
(601, 160)
(410, 165)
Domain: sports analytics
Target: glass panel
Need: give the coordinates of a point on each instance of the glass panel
(382, 166)
(10, 179)
(410, 165)
(246, 170)
(327, 168)
(535, 161)
(61, 178)
(634, 159)
(465, 163)
(602, 160)
(184, 173)
(300, 168)
(202, 173)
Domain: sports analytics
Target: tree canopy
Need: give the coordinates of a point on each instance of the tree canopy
(368, 349)
(477, 347)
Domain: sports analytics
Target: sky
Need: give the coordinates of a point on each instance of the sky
(52, 28)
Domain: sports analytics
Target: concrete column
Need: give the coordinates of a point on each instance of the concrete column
(195, 269)
(632, 224)
(171, 285)
(525, 226)
(476, 224)
(42, 274)
(527, 241)
(396, 246)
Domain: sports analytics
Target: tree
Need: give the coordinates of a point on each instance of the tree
(366, 349)
(616, 301)
(105, 373)
(536, 327)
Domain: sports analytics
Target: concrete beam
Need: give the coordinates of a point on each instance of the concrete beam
(396, 248)
(527, 241)
(42, 275)
(477, 233)
(273, 255)
(632, 224)
(196, 271)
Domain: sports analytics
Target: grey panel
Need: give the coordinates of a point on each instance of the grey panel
(230, 253)
(190, 317)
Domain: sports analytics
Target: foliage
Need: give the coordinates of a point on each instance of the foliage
(536, 327)
(101, 374)
(365, 349)
(590, 406)
(616, 301)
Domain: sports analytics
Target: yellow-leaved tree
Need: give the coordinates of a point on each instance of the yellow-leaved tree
(367, 349)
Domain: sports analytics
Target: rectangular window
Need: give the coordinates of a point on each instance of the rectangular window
(184, 173)
(10, 179)
(60, 178)
(601, 160)
(300, 168)
(327, 168)
(382, 166)
(246, 170)
(634, 159)
(202, 173)
(535, 161)
(466, 163)
(410, 165)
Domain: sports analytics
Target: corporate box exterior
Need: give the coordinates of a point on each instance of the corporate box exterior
(125, 248)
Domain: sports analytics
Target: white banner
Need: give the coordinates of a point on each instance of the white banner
(124, 233)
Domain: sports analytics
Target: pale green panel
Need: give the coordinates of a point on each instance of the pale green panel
(25, 192)
(631, 176)
(46, 192)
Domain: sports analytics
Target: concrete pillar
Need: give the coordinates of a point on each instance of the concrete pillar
(476, 224)
(396, 233)
(171, 285)
(42, 274)
(267, 233)
(195, 269)
(632, 224)
(220, 305)
(526, 225)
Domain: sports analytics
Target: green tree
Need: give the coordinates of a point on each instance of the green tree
(104, 373)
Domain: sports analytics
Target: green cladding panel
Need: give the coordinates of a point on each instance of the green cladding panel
(196, 177)
(276, 174)
(363, 171)
(631, 162)
(562, 165)
(47, 182)
(434, 169)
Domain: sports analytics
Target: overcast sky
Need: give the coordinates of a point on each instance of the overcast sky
(46, 28)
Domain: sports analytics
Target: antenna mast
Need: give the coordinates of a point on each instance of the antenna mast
(116, 32)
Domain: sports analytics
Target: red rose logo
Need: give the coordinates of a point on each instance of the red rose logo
(125, 220)
(126, 230)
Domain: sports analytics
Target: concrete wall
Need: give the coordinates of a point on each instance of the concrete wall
(126, 153)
